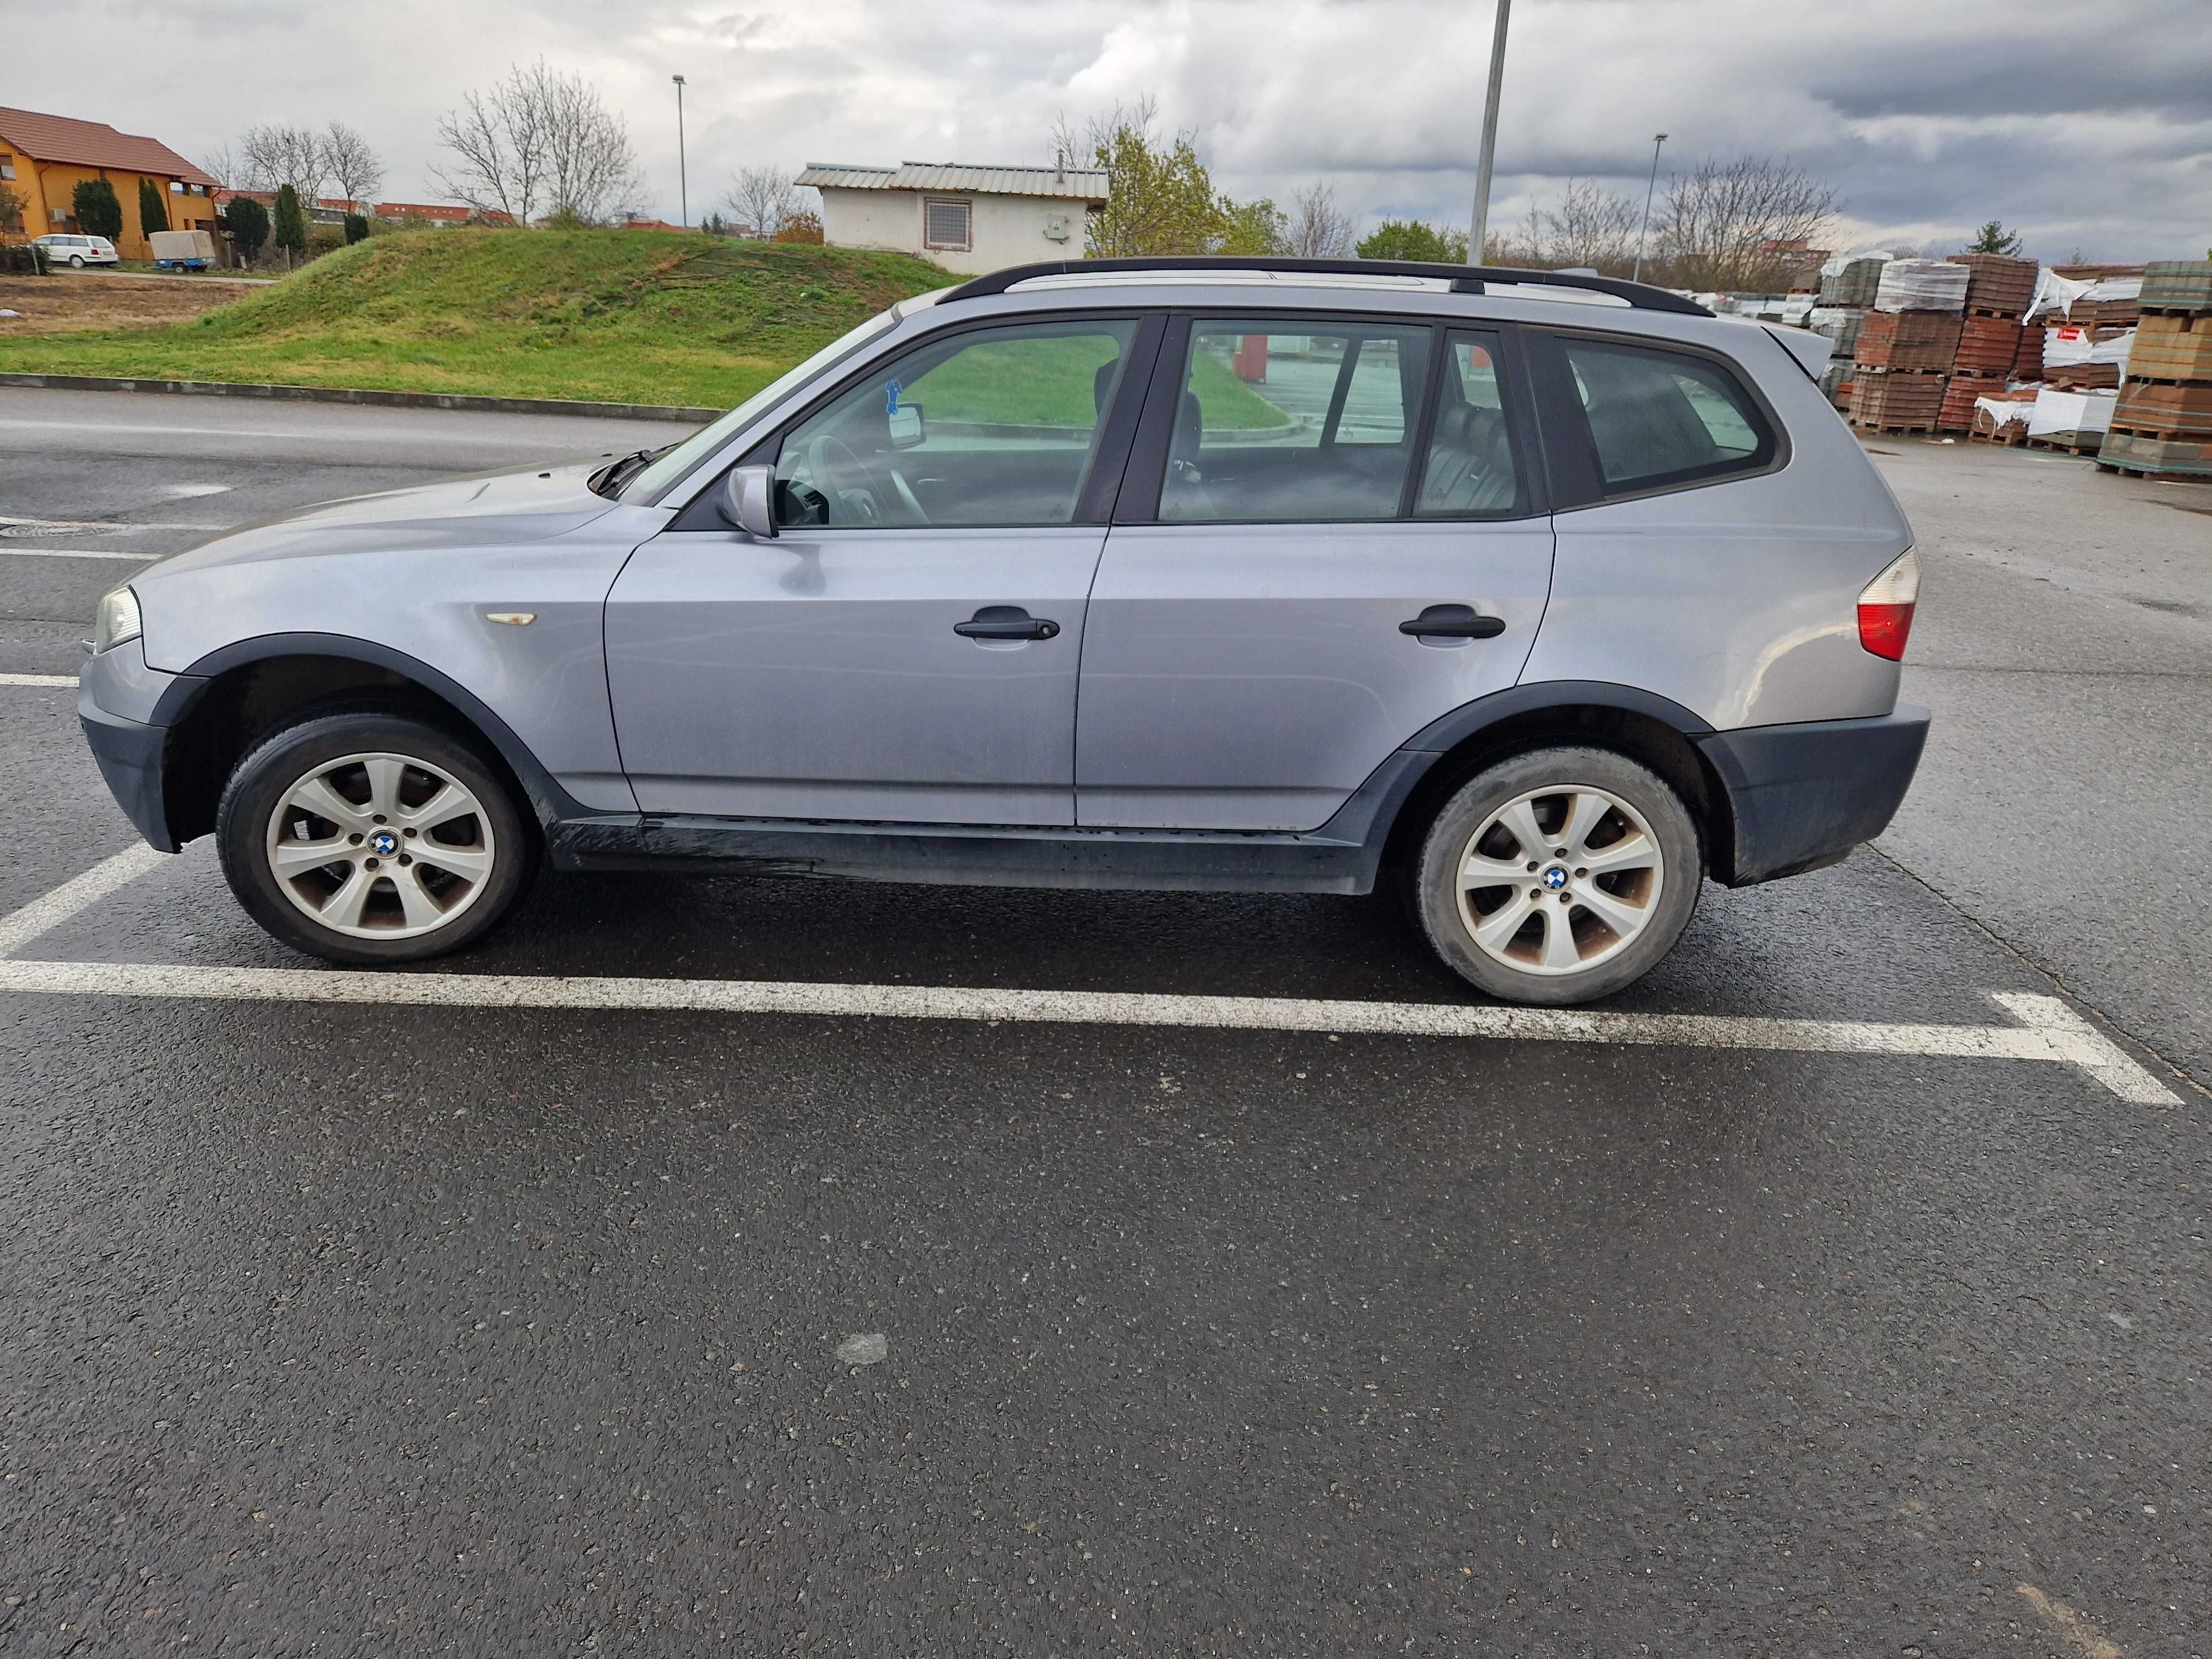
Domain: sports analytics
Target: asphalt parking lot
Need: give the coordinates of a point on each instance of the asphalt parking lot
(1842, 1289)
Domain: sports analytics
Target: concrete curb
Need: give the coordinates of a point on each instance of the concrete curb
(323, 394)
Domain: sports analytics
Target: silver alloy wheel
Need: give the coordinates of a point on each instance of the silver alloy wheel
(381, 846)
(1559, 879)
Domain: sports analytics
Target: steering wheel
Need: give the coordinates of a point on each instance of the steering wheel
(863, 500)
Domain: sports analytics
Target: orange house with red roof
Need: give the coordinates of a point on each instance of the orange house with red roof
(43, 159)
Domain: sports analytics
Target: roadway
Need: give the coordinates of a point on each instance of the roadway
(427, 1324)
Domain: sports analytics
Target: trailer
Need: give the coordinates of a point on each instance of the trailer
(183, 250)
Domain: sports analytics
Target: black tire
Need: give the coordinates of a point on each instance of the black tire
(1616, 959)
(260, 781)
(76, 262)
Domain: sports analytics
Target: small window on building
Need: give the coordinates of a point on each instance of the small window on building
(948, 225)
(176, 187)
(6, 168)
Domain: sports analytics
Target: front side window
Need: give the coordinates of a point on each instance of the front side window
(1469, 470)
(1660, 418)
(991, 426)
(1281, 419)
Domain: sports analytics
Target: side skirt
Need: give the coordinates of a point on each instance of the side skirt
(1342, 856)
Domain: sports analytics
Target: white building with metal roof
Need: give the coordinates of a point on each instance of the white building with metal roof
(970, 219)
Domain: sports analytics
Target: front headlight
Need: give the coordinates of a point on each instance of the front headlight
(117, 619)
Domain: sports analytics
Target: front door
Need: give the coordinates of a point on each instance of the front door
(905, 650)
(1347, 547)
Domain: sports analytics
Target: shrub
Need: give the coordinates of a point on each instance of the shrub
(801, 227)
(249, 226)
(153, 206)
(357, 229)
(97, 213)
(23, 259)
(287, 225)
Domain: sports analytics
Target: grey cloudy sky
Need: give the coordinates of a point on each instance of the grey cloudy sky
(2087, 124)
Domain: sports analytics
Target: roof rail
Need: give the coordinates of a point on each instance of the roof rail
(1464, 279)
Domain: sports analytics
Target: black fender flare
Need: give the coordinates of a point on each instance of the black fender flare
(548, 799)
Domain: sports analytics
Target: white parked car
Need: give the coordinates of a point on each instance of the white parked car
(63, 249)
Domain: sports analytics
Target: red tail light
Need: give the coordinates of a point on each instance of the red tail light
(1886, 608)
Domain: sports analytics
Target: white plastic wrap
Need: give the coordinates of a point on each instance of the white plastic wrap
(1921, 285)
(1835, 267)
(2116, 288)
(2056, 293)
(2070, 348)
(2070, 411)
(2003, 411)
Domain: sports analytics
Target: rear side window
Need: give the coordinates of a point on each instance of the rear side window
(1469, 471)
(1660, 418)
(1280, 418)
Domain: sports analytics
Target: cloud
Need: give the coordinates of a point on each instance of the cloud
(1926, 118)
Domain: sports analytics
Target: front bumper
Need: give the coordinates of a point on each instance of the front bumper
(116, 696)
(1801, 796)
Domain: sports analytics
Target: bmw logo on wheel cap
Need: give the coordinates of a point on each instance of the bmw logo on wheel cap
(384, 843)
(1555, 878)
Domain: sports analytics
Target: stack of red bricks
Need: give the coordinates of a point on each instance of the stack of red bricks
(1991, 336)
(1902, 359)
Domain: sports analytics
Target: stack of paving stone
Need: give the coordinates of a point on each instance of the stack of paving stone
(1853, 284)
(2163, 420)
(1999, 290)
(2027, 364)
(1906, 344)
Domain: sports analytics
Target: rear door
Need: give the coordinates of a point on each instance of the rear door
(905, 650)
(1331, 535)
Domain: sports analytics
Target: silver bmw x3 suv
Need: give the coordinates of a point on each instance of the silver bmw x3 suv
(1542, 598)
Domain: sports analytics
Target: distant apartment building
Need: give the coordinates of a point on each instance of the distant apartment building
(43, 159)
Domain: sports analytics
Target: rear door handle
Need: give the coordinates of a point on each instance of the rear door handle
(1453, 622)
(1006, 622)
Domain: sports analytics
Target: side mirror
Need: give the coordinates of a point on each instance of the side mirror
(744, 500)
(906, 426)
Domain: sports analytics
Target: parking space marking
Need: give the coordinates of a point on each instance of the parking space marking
(49, 911)
(38, 679)
(77, 553)
(2050, 1030)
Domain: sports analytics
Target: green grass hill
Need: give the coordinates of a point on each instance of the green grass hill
(628, 316)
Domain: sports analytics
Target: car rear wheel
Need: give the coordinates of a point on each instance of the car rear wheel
(1559, 877)
(368, 838)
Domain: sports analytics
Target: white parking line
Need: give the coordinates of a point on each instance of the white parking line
(2048, 1031)
(38, 679)
(76, 553)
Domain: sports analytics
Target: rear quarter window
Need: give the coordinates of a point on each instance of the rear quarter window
(1661, 419)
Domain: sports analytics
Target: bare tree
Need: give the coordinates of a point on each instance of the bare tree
(538, 139)
(221, 164)
(274, 156)
(1319, 229)
(351, 165)
(1741, 224)
(762, 201)
(1590, 227)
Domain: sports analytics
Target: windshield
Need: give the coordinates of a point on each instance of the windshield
(665, 472)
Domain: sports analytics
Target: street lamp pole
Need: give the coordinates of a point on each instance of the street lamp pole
(1479, 229)
(1658, 139)
(683, 189)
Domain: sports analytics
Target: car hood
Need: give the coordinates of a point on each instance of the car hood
(496, 509)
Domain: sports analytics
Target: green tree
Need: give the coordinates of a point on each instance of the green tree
(289, 227)
(153, 206)
(249, 226)
(1994, 238)
(12, 203)
(1160, 197)
(1256, 229)
(1410, 239)
(97, 213)
(357, 229)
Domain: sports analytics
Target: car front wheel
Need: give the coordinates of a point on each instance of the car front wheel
(1559, 877)
(77, 261)
(368, 838)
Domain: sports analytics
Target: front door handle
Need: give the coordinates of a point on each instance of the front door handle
(1006, 622)
(1453, 622)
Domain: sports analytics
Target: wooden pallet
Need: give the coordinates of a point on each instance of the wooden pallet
(2158, 308)
(2150, 475)
(1894, 429)
(2003, 439)
(2165, 379)
(2068, 446)
(2003, 314)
